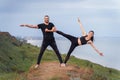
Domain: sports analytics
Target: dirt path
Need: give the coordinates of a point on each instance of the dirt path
(53, 71)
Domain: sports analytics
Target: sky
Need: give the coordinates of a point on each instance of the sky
(102, 16)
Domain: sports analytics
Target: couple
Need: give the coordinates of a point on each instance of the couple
(48, 28)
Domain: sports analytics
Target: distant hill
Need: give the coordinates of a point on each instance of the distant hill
(17, 60)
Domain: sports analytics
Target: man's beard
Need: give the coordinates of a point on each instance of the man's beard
(46, 21)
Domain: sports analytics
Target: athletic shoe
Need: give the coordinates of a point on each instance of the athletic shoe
(63, 65)
(36, 66)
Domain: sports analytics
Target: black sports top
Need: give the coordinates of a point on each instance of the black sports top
(83, 40)
(46, 35)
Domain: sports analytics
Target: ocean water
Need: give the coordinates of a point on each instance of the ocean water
(109, 46)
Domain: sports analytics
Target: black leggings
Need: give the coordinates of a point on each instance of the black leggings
(45, 44)
(74, 43)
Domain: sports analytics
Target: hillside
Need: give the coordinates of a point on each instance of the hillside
(17, 60)
(15, 57)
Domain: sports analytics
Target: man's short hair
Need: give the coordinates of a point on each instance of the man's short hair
(46, 16)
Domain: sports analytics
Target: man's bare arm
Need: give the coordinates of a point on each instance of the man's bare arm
(28, 25)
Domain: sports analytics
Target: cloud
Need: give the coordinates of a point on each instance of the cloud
(103, 13)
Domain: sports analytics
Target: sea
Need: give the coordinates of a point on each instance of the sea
(109, 46)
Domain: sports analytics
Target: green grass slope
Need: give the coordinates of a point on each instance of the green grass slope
(17, 57)
(14, 55)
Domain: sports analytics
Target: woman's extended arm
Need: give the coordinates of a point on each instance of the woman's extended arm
(91, 43)
(30, 26)
(82, 28)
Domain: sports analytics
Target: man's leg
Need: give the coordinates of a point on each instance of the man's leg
(43, 47)
(54, 46)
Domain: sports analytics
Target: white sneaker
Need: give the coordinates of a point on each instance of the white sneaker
(36, 66)
(63, 65)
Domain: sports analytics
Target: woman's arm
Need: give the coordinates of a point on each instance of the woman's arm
(30, 26)
(52, 30)
(91, 43)
(82, 28)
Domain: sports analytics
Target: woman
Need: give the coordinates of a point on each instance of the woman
(75, 41)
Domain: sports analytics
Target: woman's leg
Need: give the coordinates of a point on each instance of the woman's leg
(70, 37)
(72, 47)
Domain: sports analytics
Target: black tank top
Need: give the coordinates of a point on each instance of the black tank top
(83, 40)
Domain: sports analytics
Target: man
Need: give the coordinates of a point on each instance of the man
(47, 29)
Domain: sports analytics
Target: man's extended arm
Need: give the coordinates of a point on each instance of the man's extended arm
(30, 26)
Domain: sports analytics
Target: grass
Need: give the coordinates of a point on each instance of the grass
(12, 76)
(15, 57)
(100, 72)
